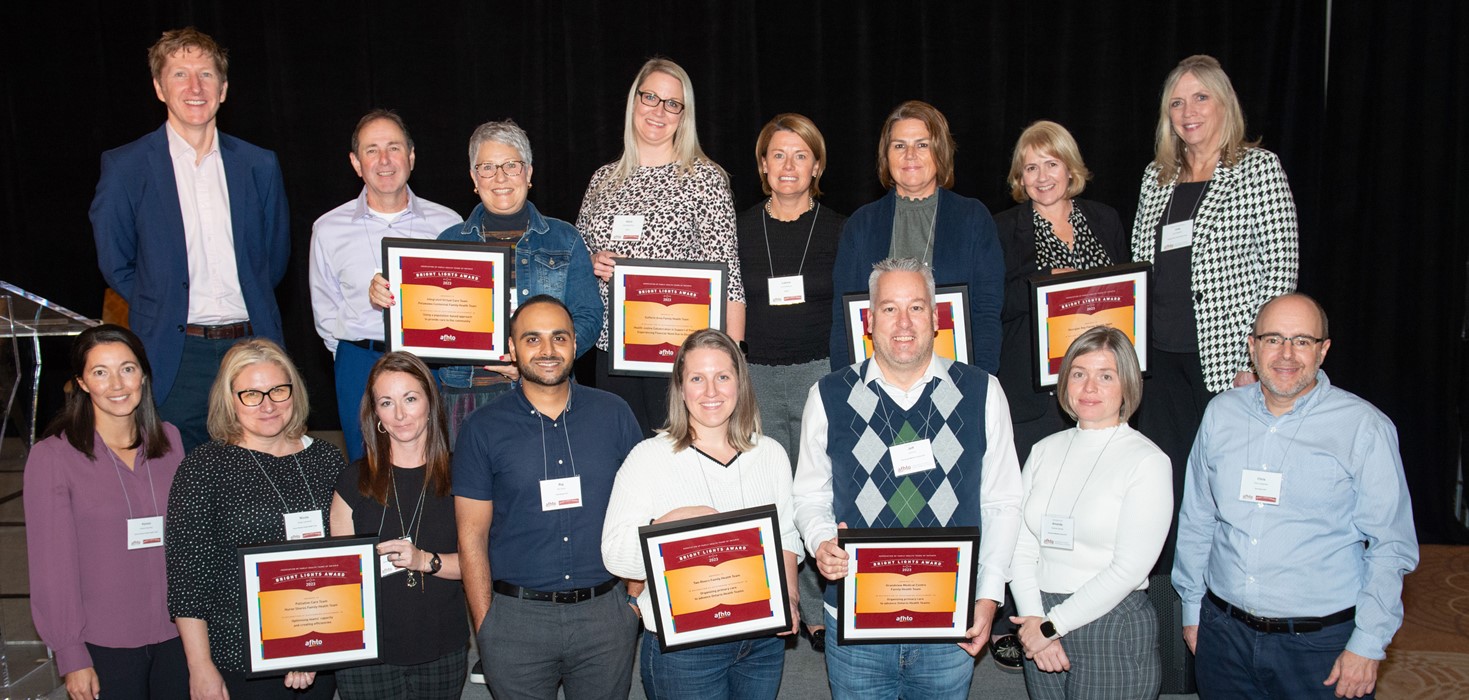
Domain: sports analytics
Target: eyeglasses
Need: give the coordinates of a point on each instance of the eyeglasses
(255, 397)
(670, 105)
(1299, 342)
(512, 168)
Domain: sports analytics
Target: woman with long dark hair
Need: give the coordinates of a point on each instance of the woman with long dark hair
(96, 488)
(400, 490)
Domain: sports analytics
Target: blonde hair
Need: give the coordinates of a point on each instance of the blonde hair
(806, 130)
(1053, 139)
(224, 418)
(1168, 148)
(940, 141)
(175, 40)
(744, 422)
(686, 150)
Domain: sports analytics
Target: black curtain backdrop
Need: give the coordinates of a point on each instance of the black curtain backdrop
(1377, 244)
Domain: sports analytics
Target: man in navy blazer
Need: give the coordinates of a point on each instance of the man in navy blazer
(192, 229)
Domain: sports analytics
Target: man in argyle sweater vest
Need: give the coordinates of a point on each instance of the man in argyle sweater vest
(907, 439)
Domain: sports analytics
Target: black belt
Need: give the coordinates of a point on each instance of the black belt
(575, 595)
(231, 331)
(1291, 625)
(369, 345)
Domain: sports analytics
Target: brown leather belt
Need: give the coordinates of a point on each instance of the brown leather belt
(1290, 625)
(232, 331)
(576, 595)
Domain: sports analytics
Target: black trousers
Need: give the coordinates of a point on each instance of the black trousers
(153, 672)
(647, 396)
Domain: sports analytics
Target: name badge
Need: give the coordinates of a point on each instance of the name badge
(1256, 486)
(1179, 235)
(785, 291)
(912, 457)
(560, 494)
(387, 568)
(305, 525)
(627, 227)
(145, 533)
(1058, 532)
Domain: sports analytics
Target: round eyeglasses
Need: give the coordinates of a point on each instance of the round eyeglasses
(255, 397)
(652, 99)
(512, 168)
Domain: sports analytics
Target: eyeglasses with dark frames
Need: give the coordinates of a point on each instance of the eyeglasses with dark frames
(512, 168)
(255, 397)
(652, 99)
(1299, 342)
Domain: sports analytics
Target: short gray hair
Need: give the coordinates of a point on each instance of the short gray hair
(899, 265)
(506, 132)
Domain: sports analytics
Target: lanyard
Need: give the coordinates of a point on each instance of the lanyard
(299, 469)
(766, 231)
(117, 466)
(1089, 473)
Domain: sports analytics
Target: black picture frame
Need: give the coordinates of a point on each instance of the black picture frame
(877, 554)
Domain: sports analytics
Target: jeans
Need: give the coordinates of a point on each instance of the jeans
(351, 368)
(909, 671)
(1234, 661)
(749, 669)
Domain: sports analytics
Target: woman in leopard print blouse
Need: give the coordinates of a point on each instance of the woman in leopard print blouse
(662, 199)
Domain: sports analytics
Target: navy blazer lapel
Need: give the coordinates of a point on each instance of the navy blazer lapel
(160, 171)
(244, 212)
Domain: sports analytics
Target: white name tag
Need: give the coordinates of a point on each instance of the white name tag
(627, 227)
(912, 457)
(787, 290)
(1256, 486)
(1179, 235)
(1058, 532)
(145, 533)
(305, 525)
(559, 494)
(387, 568)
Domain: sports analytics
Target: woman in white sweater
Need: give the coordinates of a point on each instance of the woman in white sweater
(709, 458)
(1098, 499)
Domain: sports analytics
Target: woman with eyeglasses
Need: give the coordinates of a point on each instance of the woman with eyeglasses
(261, 479)
(95, 490)
(662, 199)
(550, 258)
(400, 490)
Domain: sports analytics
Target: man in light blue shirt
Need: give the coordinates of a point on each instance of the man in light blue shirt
(346, 250)
(1295, 530)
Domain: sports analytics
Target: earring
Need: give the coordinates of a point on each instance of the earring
(380, 427)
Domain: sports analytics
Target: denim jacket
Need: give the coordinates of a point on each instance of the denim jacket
(549, 259)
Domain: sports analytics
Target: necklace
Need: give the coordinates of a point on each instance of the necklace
(417, 512)
(768, 258)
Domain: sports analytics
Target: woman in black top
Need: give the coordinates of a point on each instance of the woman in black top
(788, 245)
(400, 490)
(1051, 231)
(259, 473)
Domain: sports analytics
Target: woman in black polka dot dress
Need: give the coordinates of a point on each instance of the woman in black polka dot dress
(259, 480)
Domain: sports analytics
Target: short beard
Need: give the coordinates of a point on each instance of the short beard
(526, 374)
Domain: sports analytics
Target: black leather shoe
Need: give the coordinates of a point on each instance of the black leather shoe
(1008, 654)
(818, 640)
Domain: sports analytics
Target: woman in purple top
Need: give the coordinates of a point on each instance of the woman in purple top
(95, 492)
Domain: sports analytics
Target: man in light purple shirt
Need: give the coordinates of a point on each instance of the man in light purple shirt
(192, 229)
(346, 251)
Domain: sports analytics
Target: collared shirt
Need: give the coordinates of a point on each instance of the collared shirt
(209, 234)
(504, 452)
(346, 250)
(1342, 534)
(999, 476)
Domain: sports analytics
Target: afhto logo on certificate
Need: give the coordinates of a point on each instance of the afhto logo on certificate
(716, 580)
(908, 587)
(312, 605)
(448, 303)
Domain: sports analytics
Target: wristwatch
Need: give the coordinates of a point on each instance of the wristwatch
(1048, 629)
(435, 564)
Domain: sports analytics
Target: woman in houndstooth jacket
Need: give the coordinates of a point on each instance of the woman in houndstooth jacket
(1216, 218)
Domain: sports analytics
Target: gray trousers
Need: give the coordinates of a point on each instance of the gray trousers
(781, 392)
(1114, 657)
(530, 648)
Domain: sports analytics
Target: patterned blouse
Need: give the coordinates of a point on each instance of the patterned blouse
(685, 217)
(1085, 253)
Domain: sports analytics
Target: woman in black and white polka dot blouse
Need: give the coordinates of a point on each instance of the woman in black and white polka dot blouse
(259, 480)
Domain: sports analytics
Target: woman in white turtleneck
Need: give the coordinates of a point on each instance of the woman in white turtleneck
(1098, 499)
